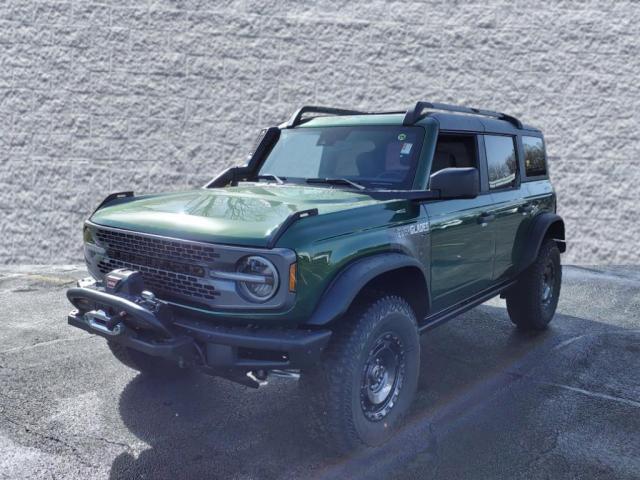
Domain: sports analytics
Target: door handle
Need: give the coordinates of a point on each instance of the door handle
(526, 209)
(485, 218)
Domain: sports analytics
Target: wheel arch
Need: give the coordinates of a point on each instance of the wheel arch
(392, 272)
(556, 232)
(544, 226)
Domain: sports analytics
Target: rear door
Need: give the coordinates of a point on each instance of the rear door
(508, 197)
(535, 183)
(462, 242)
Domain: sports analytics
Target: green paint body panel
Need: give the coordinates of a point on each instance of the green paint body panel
(244, 215)
(460, 255)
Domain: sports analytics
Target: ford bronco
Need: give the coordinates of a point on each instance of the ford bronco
(345, 236)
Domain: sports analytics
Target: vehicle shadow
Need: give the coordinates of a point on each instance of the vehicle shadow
(201, 427)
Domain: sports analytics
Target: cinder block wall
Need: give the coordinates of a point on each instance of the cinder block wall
(161, 95)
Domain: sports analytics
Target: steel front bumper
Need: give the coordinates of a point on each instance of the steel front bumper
(189, 341)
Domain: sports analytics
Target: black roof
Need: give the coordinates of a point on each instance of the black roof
(471, 123)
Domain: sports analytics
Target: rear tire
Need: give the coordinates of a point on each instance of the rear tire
(532, 301)
(143, 363)
(368, 378)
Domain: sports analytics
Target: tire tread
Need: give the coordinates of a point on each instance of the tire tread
(330, 417)
(523, 306)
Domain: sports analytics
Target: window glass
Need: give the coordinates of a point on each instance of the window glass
(373, 156)
(454, 151)
(294, 155)
(534, 156)
(501, 161)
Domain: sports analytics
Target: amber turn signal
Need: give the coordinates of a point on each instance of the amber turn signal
(293, 270)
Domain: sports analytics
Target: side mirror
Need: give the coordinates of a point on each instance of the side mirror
(456, 183)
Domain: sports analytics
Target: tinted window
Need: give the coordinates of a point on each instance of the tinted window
(501, 161)
(374, 156)
(454, 151)
(534, 156)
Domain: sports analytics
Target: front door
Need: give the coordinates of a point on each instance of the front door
(462, 239)
(462, 248)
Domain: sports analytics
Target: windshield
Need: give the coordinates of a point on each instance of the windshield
(371, 156)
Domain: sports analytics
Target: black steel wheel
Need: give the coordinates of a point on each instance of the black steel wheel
(368, 377)
(382, 377)
(548, 282)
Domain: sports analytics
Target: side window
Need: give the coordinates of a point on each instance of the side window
(534, 156)
(455, 151)
(501, 161)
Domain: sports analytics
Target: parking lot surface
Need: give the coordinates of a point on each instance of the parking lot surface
(492, 402)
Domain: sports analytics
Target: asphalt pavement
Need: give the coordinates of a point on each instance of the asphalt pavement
(492, 402)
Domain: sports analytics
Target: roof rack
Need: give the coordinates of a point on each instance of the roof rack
(296, 118)
(413, 115)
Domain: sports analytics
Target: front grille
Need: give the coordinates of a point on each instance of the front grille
(155, 247)
(168, 266)
(162, 281)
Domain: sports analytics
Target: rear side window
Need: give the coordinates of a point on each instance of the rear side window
(501, 161)
(534, 156)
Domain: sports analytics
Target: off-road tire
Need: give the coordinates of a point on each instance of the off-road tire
(527, 302)
(143, 363)
(334, 390)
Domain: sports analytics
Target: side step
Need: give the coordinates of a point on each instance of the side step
(432, 321)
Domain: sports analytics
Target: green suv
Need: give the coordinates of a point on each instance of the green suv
(345, 236)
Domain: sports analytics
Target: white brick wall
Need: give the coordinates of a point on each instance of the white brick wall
(160, 95)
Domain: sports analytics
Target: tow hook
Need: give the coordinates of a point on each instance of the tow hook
(110, 325)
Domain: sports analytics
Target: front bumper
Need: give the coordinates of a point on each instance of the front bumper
(157, 331)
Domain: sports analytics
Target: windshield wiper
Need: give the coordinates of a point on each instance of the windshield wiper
(336, 181)
(270, 176)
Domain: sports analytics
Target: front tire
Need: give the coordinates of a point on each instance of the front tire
(532, 301)
(368, 379)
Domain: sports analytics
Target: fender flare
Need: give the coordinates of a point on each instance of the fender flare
(338, 296)
(536, 234)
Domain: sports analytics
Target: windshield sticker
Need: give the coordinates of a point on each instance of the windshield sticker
(402, 136)
(406, 148)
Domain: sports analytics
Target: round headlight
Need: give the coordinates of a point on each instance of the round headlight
(261, 281)
(87, 235)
